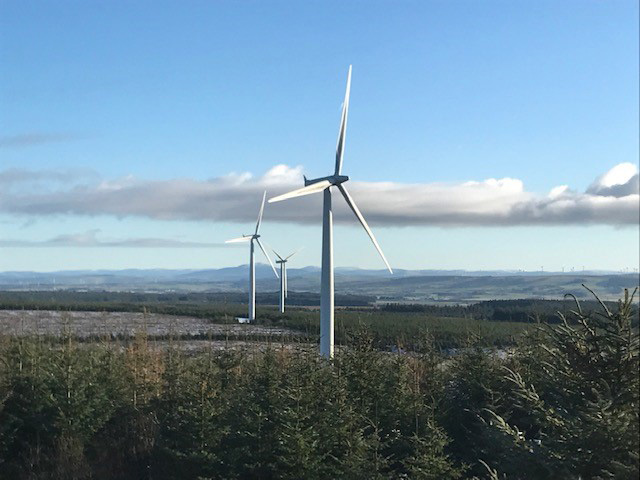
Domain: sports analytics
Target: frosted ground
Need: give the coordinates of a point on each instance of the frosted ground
(126, 324)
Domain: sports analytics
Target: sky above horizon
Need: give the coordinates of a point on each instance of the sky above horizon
(481, 135)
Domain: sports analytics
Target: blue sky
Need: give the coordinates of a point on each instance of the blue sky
(143, 95)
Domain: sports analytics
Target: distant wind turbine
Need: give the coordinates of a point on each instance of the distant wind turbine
(252, 265)
(284, 287)
(324, 184)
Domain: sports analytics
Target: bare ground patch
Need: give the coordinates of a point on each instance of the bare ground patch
(125, 324)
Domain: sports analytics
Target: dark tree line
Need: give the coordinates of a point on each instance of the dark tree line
(170, 303)
(524, 310)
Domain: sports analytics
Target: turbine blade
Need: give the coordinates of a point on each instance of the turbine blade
(293, 254)
(269, 247)
(267, 255)
(356, 210)
(343, 125)
(264, 196)
(239, 239)
(308, 190)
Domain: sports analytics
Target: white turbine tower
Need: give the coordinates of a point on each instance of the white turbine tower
(284, 287)
(324, 184)
(252, 265)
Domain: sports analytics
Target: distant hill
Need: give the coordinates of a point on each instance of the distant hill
(410, 286)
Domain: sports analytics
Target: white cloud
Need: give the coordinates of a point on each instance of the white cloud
(620, 181)
(612, 199)
(559, 191)
(618, 175)
(37, 138)
(91, 239)
(18, 178)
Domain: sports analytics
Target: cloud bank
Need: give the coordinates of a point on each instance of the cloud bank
(37, 138)
(90, 239)
(612, 199)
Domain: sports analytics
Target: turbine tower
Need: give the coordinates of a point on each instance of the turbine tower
(252, 266)
(324, 184)
(284, 287)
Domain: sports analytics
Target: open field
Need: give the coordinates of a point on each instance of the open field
(125, 324)
(385, 331)
(193, 317)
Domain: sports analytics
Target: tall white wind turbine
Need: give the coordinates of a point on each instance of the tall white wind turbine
(252, 266)
(284, 287)
(324, 184)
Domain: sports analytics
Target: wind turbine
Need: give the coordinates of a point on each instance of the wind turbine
(284, 287)
(324, 184)
(252, 266)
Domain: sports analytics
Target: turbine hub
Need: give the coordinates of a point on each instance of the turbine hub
(338, 179)
(334, 179)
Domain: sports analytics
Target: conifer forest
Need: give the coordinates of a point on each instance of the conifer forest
(555, 400)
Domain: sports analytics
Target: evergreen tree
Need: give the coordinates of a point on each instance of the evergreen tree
(580, 389)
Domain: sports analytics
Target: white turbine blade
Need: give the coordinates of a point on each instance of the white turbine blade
(271, 248)
(266, 255)
(355, 209)
(264, 196)
(239, 239)
(293, 254)
(343, 126)
(308, 190)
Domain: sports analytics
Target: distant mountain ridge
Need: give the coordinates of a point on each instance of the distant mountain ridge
(418, 286)
(226, 272)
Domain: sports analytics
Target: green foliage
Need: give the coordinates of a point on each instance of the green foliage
(403, 330)
(193, 304)
(475, 385)
(562, 404)
(187, 413)
(573, 408)
(113, 411)
(523, 310)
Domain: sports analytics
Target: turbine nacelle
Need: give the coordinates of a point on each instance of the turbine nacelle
(256, 236)
(284, 259)
(332, 179)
